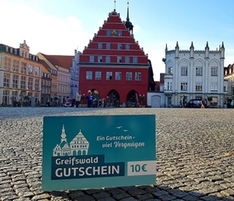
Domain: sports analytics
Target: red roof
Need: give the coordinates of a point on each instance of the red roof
(60, 60)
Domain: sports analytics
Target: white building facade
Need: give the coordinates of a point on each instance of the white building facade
(74, 70)
(194, 74)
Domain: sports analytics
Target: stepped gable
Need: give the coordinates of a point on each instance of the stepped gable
(114, 31)
(81, 140)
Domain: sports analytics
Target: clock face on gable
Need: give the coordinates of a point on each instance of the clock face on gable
(114, 33)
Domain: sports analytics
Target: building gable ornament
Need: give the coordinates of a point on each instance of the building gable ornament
(114, 33)
(78, 146)
(24, 45)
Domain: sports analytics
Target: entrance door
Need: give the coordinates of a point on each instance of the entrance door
(155, 101)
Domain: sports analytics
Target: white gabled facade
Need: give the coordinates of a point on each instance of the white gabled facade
(194, 74)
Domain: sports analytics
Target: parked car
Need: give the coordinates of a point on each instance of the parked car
(70, 102)
(195, 103)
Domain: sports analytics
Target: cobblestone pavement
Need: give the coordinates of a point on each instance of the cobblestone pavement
(195, 156)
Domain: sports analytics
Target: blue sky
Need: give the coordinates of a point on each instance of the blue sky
(61, 26)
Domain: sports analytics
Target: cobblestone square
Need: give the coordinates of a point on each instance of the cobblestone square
(195, 155)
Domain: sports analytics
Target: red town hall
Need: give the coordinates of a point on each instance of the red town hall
(114, 67)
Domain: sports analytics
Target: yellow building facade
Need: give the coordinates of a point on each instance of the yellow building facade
(20, 76)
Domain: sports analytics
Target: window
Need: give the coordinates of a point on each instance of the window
(23, 68)
(198, 97)
(214, 71)
(7, 64)
(23, 82)
(119, 33)
(199, 71)
(6, 96)
(15, 81)
(91, 58)
(129, 76)
(108, 46)
(225, 88)
(138, 76)
(127, 46)
(119, 46)
(127, 60)
(14, 96)
(99, 58)
(214, 87)
(30, 69)
(119, 59)
(15, 66)
(118, 76)
(107, 59)
(183, 86)
(184, 71)
(37, 84)
(135, 60)
(108, 75)
(37, 71)
(6, 81)
(30, 83)
(198, 86)
(88, 75)
(99, 45)
(169, 70)
(168, 86)
(98, 75)
(108, 32)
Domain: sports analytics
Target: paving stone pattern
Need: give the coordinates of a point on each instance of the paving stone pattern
(195, 156)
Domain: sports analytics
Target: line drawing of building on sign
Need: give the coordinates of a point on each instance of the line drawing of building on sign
(78, 146)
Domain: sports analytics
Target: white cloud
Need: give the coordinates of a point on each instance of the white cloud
(40, 31)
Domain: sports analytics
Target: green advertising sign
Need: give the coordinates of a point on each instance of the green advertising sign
(98, 151)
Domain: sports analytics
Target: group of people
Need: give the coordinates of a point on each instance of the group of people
(94, 102)
(91, 100)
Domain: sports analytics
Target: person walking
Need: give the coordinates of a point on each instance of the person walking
(90, 99)
(78, 98)
(203, 103)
